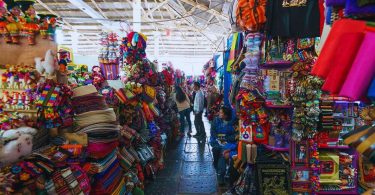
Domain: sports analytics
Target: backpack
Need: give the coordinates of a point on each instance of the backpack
(251, 14)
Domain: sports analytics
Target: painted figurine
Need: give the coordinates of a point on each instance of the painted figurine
(15, 20)
(31, 27)
(43, 26)
(3, 23)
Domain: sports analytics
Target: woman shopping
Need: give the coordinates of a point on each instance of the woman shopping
(183, 105)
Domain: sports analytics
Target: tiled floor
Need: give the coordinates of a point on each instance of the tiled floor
(188, 169)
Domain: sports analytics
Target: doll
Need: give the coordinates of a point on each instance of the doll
(52, 27)
(21, 77)
(3, 24)
(43, 26)
(14, 22)
(27, 101)
(97, 76)
(31, 27)
(5, 99)
(3, 84)
(14, 100)
(20, 102)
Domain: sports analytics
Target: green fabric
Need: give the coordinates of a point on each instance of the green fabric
(137, 191)
(232, 53)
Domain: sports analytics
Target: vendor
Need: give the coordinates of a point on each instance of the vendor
(223, 140)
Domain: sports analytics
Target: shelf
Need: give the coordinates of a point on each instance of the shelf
(279, 106)
(276, 65)
(334, 147)
(22, 111)
(15, 90)
(273, 148)
(337, 192)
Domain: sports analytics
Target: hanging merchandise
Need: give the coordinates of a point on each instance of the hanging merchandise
(251, 15)
(295, 19)
(108, 56)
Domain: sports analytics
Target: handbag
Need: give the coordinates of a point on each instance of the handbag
(145, 154)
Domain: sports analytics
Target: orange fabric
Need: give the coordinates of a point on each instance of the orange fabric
(251, 13)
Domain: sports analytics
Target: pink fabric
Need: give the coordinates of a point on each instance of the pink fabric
(362, 71)
(344, 57)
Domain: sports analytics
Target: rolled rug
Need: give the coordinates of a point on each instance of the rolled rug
(345, 55)
(326, 61)
(362, 71)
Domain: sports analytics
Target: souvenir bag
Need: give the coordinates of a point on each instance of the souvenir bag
(251, 14)
(145, 154)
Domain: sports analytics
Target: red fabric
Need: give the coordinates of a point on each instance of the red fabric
(330, 52)
(322, 15)
(344, 57)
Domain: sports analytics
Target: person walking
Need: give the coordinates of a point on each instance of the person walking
(198, 111)
(183, 106)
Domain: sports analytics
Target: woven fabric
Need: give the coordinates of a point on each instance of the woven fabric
(94, 117)
(84, 90)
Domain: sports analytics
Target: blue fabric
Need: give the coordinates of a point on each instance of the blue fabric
(219, 126)
(371, 91)
(227, 79)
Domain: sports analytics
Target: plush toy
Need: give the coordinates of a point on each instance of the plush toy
(12, 134)
(49, 65)
(15, 149)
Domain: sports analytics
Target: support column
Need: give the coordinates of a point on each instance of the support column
(157, 44)
(137, 17)
(74, 35)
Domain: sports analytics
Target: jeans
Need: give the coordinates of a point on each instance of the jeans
(219, 161)
(184, 114)
(198, 123)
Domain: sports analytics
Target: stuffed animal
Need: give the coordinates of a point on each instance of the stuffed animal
(48, 66)
(15, 149)
(12, 134)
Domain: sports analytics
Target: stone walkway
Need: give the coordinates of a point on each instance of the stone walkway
(188, 169)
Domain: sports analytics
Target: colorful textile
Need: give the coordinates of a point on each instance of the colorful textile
(362, 71)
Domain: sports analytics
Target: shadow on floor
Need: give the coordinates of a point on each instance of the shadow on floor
(188, 169)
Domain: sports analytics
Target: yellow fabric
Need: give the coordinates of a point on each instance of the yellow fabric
(355, 136)
(366, 144)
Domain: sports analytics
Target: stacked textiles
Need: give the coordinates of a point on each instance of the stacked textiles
(99, 122)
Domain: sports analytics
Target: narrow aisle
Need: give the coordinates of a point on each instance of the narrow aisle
(188, 168)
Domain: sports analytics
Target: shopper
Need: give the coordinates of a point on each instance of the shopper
(198, 111)
(183, 105)
(223, 140)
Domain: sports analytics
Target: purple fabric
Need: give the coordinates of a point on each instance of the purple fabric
(335, 3)
(352, 8)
